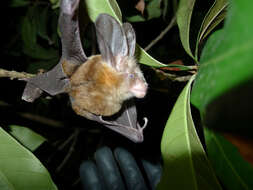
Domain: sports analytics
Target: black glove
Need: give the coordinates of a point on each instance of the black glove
(119, 171)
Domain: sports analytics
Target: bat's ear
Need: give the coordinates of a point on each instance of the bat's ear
(131, 38)
(111, 38)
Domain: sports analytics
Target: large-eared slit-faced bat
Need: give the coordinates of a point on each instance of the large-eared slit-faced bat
(101, 85)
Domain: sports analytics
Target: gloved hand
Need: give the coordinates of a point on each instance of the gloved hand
(119, 171)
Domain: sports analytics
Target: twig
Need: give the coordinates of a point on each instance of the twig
(173, 77)
(14, 74)
(71, 150)
(41, 119)
(153, 42)
(61, 146)
(69, 139)
(76, 182)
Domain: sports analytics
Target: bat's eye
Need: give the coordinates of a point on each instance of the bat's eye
(131, 76)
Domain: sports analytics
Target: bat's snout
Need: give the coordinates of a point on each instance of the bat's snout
(139, 89)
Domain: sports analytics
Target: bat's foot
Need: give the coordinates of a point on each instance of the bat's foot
(141, 128)
(134, 133)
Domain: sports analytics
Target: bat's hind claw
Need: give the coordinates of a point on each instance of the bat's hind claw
(141, 128)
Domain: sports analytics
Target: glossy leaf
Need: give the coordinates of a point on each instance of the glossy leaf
(27, 137)
(144, 58)
(218, 19)
(185, 163)
(19, 168)
(96, 7)
(226, 59)
(184, 13)
(214, 16)
(234, 172)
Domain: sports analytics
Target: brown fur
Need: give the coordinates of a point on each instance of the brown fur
(68, 67)
(94, 88)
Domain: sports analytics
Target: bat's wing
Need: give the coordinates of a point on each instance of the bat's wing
(125, 122)
(111, 38)
(70, 33)
(55, 81)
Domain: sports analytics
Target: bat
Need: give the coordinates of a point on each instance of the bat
(100, 87)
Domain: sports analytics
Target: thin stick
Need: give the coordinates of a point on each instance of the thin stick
(161, 35)
(173, 77)
(71, 150)
(14, 74)
(41, 119)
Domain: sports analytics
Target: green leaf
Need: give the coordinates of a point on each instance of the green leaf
(27, 137)
(96, 7)
(19, 3)
(226, 60)
(144, 58)
(215, 15)
(56, 4)
(44, 64)
(185, 163)
(41, 20)
(28, 32)
(39, 52)
(234, 172)
(19, 168)
(184, 14)
(54, 1)
(153, 9)
(136, 18)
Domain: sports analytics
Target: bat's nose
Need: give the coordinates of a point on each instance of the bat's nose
(139, 89)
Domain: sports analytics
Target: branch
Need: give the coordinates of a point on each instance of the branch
(162, 34)
(174, 77)
(41, 119)
(14, 74)
(71, 150)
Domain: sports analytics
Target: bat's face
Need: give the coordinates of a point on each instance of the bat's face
(134, 84)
